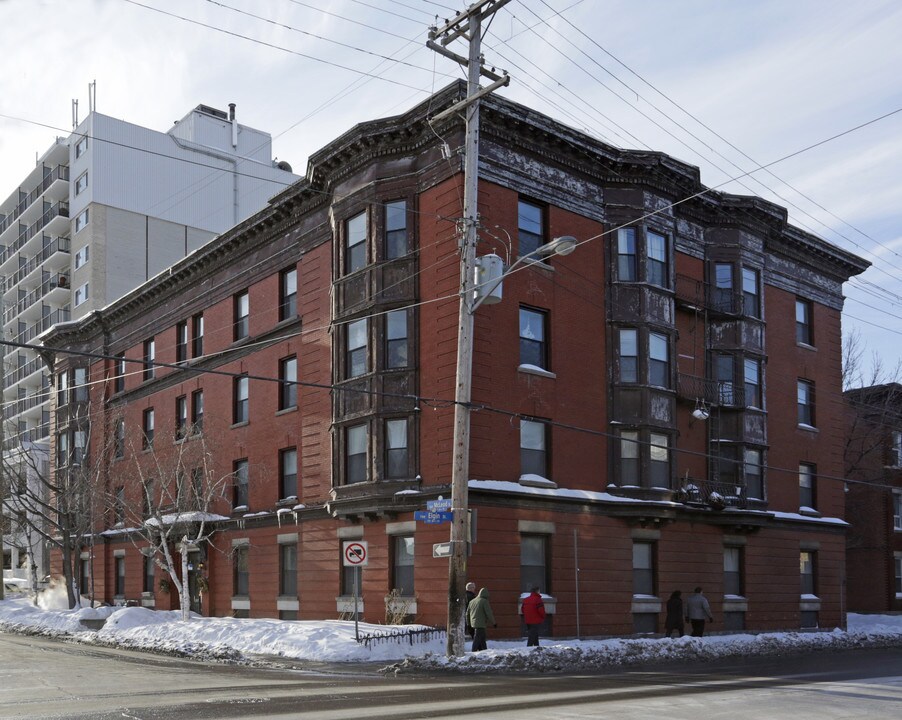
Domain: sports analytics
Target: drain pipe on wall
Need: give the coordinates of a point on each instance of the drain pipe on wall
(576, 580)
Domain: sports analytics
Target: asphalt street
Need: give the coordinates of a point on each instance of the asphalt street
(43, 678)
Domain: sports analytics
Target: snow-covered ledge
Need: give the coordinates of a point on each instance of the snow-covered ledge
(241, 603)
(645, 604)
(536, 370)
(533, 480)
(809, 603)
(287, 603)
(147, 600)
(735, 603)
(345, 604)
(407, 605)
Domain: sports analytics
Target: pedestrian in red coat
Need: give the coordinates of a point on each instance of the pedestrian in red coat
(533, 616)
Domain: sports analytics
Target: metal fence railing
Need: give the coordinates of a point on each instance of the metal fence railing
(400, 635)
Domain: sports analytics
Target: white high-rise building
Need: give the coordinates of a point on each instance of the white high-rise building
(105, 209)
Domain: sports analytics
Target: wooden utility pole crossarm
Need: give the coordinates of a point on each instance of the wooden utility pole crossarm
(467, 24)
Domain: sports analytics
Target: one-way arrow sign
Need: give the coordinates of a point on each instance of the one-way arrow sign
(441, 550)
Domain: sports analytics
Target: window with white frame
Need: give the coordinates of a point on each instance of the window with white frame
(288, 377)
(240, 480)
(355, 454)
(629, 355)
(754, 478)
(534, 571)
(629, 457)
(148, 427)
(804, 334)
(752, 377)
(807, 572)
(533, 345)
(288, 473)
(288, 569)
(751, 303)
(643, 568)
(805, 390)
(732, 571)
(897, 510)
(150, 355)
(402, 566)
(81, 294)
(396, 244)
(396, 455)
(240, 571)
(533, 448)
(898, 574)
(530, 227)
(807, 473)
(356, 348)
(656, 247)
(723, 287)
(659, 460)
(288, 293)
(658, 360)
(627, 260)
(82, 183)
(81, 256)
(81, 147)
(896, 454)
(396, 345)
(355, 243)
(242, 313)
(240, 399)
(81, 220)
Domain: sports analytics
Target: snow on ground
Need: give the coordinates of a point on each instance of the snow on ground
(247, 640)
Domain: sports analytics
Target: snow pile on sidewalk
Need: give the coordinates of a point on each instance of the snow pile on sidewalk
(247, 640)
(865, 631)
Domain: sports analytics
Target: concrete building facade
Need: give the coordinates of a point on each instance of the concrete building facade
(106, 208)
(636, 404)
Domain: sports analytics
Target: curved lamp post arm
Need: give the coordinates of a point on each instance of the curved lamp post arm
(559, 246)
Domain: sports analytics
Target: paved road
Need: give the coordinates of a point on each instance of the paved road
(42, 678)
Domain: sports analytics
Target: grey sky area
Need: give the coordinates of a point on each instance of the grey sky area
(728, 86)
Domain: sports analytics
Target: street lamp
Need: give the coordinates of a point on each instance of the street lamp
(480, 283)
(490, 272)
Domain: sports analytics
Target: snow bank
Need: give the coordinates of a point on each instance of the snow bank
(248, 640)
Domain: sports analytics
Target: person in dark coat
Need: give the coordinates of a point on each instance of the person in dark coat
(674, 619)
(533, 616)
(480, 616)
(471, 593)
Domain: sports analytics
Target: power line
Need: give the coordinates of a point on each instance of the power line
(273, 46)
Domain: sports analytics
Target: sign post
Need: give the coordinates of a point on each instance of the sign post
(354, 554)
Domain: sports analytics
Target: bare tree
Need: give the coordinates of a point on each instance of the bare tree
(54, 508)
(165, 500)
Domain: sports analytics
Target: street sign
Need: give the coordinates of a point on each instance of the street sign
(433, 518)
(441, 550)
(354, 553)
(438, 505)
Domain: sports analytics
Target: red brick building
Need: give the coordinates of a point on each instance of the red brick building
(874, 498)
(641, 406)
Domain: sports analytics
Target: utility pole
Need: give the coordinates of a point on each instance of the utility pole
(467, 25)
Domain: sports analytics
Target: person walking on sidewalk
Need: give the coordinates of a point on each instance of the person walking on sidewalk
(471, 593)
(533, 616)
(697, 611)
(674, 619)
(480, 615)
